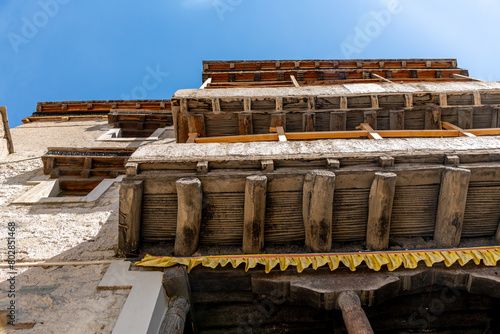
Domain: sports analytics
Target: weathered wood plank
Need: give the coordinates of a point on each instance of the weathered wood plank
(189, 205)
(451, 206)
(465, 118)
(245, 124)
(129, 225)
(196, 124)
(338, 121)
(317, 206)
(397, 119)
(308, 122)
(254, 214)
(433, 119)
(380, 210)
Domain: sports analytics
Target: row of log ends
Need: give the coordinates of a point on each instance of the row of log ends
(317, 210)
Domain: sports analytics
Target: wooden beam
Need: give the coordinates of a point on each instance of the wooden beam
(202, 167)
(267, 165)
(432, 118)
(189, 205)
(380, 210)
(338, 121)
(281, 133)
(254, 214)
(192, 138)
(485, 132)
(451, 206)
(295, 83)
(465, 118)
(443, 99)
(376, 76)
(279, 103)
(129, 218)
(332, 163)
(459, 76)
(372, 134)
(462, 133)
(317, 208)
(354, 317)
(196, 124)
(397, 119)
(370, 117)
(245, 124)
(176, 284)
(308, 122)
(175, 317)
(239, 139)
(495, 117)
(216, 105)
(247, 104)
(278, 120)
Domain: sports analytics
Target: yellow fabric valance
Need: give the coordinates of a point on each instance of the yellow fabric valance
(374, 260)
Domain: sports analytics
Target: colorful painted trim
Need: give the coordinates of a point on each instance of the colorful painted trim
(374, 260)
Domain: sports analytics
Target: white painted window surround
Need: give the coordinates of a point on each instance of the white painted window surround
(45, 191)
(115, 135)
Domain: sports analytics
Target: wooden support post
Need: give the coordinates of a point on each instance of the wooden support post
(189, 204)
(408, 100)
(374, 99)
(477, 98)
(397, 119)
(254, 214)
(443, 99)
(453, 160)
(183, 128)
(433, 119)
(202, 167)
(279, 103)
(216, 105)
(247, 104)
(245, 124)
(380, 210)
(176, 284)
(343, 102)
(175, 318)
(465, 117)
(451, 206)
(338, 121)
(295, 83)
(308, 122)
(87, 163)
(354, 317)
(332, 163)
(50, 163)
(311, 103)
(370, 117)
(317, 207)
(267, 165)
(495, 117)
(196, 124)
(278, 120)
(129, 224)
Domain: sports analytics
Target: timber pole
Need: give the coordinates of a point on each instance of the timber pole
(354, 317)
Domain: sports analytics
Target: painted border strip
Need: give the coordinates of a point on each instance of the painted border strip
(374, 260)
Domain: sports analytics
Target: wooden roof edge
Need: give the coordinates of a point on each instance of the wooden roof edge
(100, 101)
(326, 60)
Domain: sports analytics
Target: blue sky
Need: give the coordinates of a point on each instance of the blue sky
(60, 50)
